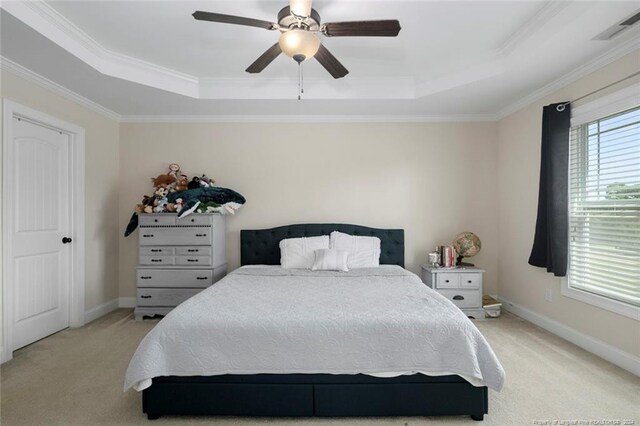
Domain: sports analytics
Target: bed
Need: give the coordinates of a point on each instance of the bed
(238, 366)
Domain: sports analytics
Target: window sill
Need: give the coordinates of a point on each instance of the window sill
(602, 302)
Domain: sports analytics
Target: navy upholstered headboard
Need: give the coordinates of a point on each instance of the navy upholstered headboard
(261, 246)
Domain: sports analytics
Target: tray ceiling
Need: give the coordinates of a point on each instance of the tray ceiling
(451, 58)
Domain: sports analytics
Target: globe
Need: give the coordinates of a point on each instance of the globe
(466, 244)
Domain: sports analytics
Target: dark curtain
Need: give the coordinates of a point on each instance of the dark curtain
(550, 243)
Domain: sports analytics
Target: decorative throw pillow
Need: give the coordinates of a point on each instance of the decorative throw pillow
(299, 252)
(364, 252)
(330, 260)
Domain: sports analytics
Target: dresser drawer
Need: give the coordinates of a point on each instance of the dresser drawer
(164, 296)
(470, 280)
(157, 260)
(463, 298)
(190, 278)
(176, 236)
(156, 251)
(194, 251)
(150, 219)
(448, 280)
(193, 260)
(196, 219)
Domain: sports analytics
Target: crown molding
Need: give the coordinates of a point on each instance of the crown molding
(308, 118)
(50, 23)
(25, 73)
(533, 25)
(599, 62)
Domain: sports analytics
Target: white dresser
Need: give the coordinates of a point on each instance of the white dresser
(177, 258)
(462, 286)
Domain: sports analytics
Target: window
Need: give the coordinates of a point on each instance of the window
(604, 211)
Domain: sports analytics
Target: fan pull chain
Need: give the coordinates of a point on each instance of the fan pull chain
(300, 81)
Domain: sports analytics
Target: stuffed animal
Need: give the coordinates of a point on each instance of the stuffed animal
(174, 170)
(206, 181)
(163, 180)
(160, 194)
(146, 201)
(175, 207)
(195, 183)
(228, 200)
(182, 184)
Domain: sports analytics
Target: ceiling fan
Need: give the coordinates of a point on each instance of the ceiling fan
(298, 24)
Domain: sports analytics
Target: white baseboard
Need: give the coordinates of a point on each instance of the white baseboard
(127, 302)
(604, 350)
(100, 310)
(4, 357)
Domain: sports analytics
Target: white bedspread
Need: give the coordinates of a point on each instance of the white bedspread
(266, 319)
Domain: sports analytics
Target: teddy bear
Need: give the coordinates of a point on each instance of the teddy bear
(182, 184)
(163, 180)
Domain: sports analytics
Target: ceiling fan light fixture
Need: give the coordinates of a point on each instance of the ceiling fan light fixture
(299, 44)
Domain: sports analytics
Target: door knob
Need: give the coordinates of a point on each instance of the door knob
(66, 240)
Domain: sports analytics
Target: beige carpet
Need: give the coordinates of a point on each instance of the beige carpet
(75, 377)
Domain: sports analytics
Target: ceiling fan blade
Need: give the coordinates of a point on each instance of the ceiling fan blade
(265, 59)
(231, 19)
(386, 28)
(330, 63)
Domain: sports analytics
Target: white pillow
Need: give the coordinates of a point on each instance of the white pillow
(364, 252)
(330, 260)
(299, 252)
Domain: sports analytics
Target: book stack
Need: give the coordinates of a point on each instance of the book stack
(491, 306)
(447, 256)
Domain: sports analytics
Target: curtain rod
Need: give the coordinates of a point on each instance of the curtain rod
(560, 107)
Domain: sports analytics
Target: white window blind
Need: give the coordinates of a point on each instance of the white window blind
(604, 207)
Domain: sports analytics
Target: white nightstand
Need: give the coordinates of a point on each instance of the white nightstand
(463, 286)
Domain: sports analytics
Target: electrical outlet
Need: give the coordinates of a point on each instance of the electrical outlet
(548, 295)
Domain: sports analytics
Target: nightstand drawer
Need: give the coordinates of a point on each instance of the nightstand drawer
(470, 280)
(448, 280)
(193, 278)
(463, 298)
(164, 296)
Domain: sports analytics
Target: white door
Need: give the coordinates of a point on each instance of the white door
(41, 260)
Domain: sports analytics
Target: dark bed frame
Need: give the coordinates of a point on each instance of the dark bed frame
(308, 395)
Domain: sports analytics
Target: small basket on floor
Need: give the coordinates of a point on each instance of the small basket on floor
(491, 306)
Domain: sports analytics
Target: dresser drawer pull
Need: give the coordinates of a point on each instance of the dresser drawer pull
(201, 278)
(156, 250)
(458, 297)
(446, 281)
(201, 235)
(147, 235)
(193, 260)
(145, 297)
(145, 278)
(193, 250)
(469, 281)
(156, 260)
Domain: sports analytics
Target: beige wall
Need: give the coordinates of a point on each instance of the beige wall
(518, 173)
(433, 180)
(102, 184)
